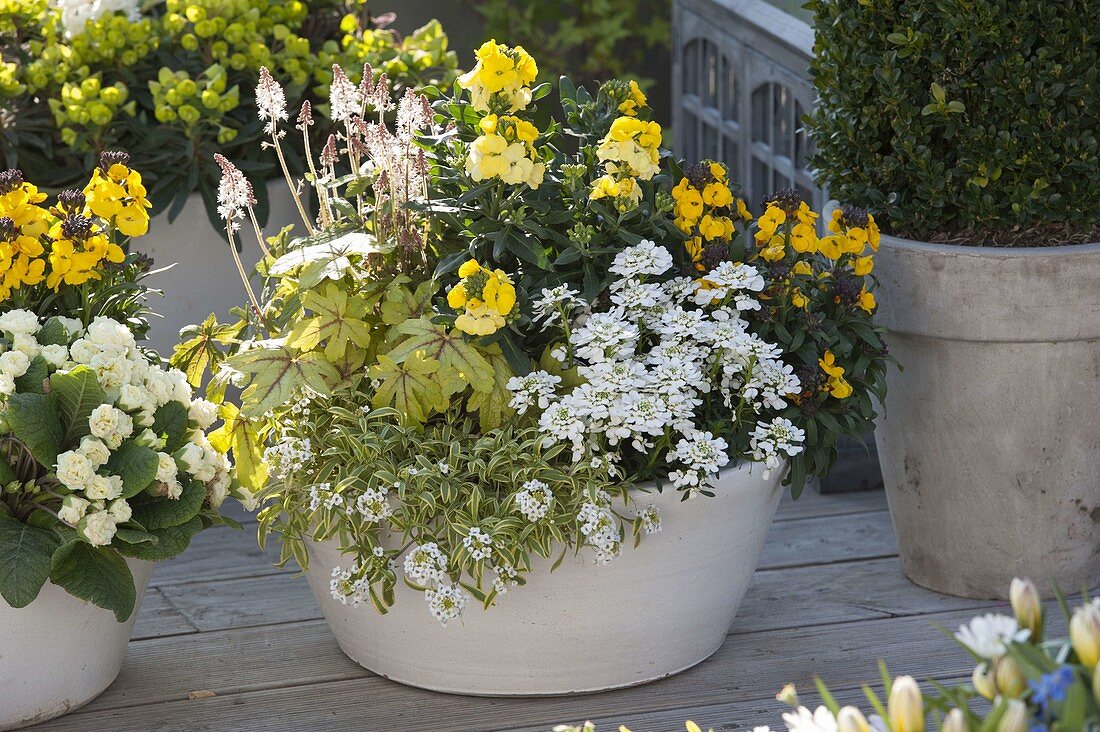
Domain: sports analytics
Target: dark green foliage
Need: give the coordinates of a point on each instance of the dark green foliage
(962, 120)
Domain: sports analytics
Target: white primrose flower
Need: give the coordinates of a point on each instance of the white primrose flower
(990, 635)
(98, 528)
(110, 424)
(19, 322)
(426, 565)
(14, 363)
(103, 487)
(72, 509)
(7, 384)
(646, 258)
(104, 331)
(166, 467)
(55, 354)
(94, 449)
(446, 602)
(74, 471)
(534, 499)
(121, 511)
(73, 326)
(203, 412)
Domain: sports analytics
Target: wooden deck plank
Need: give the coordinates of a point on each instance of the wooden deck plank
(295, 678)
(813, 504)
(158, 617)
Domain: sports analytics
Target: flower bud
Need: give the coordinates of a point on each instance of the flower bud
(1015, 719)
(955, 721)
(788, 695)
(1028, 607)
(850, 719)
(906, 706)
(1010, 679)
(985, 681)
(1084, 633)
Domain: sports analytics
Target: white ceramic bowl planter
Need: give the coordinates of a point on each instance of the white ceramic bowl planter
(59, 653)
(205, 279)
(658, 609)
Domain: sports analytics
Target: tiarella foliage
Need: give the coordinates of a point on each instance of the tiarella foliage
(164, 81)
(976, 123)
(491, 332)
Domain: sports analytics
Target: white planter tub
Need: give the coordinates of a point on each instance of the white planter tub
(59, 653)
(658, 609)
(990, 443)
(205, 279)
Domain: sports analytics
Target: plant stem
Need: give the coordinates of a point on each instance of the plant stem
(293, 188)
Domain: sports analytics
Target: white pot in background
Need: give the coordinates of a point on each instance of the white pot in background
(205, 279)
(658, 609)
(59, 653)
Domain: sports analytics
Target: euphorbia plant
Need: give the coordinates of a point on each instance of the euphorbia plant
(492, 332)
(103, 452)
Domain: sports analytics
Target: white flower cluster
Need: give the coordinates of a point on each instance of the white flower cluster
(288, 456)
(534, 499)
(479, 544)
(990, 635)
(135, 389)
(601, 529)
(426, 566)
(650, 359)
(76, 13)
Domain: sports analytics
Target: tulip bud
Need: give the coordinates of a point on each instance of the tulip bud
(955, 721)
(1010, 679)
(850, 719)
(985, 681)
(905, 706)
(788, 695)
(1027, 606)
(1084, 633)
(1015, 719)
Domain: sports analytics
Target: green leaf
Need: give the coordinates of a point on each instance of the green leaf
(25, 553)
(77, 393)
(171, 422)
(338, 320)
(240, 435)
(401, 304)
(451, 349)
(168, 542)
(492, 405)
(277, 374)
(161, 513)
(193, 355)
(136, 465)
(53, 333)
(33, 379)
(98, 575)
(410, 386)
(33, 420)
(332, 256)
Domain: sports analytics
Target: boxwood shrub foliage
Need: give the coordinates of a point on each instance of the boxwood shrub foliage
(971, 121)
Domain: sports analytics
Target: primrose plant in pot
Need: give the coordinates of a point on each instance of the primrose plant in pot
(501, 354)
(170, 82)
(105, 465)
(981, 159)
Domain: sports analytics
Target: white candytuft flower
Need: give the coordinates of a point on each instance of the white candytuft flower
(989, 635)
(548, 308)
(646, 258)
(536, 388)
(770, 440)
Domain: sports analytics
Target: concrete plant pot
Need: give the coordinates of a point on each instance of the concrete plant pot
(204, 279)
(59, 653)
(658, 609)
(990, 444)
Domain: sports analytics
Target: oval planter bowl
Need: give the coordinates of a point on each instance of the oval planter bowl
(204, 279)
(658, 609)
(990, 445)
(59, 653)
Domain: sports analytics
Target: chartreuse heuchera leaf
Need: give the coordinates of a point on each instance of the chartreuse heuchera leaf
(100, 577)
(25, 553)
(337, 321)
(241, 436)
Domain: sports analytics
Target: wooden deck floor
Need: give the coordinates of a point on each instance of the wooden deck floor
(829, 599)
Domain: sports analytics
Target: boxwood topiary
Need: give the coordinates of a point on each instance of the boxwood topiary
(969, 121)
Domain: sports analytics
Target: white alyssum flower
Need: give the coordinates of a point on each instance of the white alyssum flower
(288, 456)
(651, 519)
(534, 499)
(372, 505)
(989, 635)
(478, 543)
(601, 530)
(446, 602)
(426, 565)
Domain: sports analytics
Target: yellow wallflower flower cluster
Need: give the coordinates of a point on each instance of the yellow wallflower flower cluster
(630, 151)
(837, 386)
(72, 241)
(705, 208)
(506, 150)
(486, 297)
(501, 80)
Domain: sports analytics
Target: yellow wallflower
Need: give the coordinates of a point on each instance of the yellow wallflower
(717, 195)
(768, 222)
(832, 246)
(743, 210)
(803, 238)
(636, 101)
(863, 265)
(798, 299)
(500, 81)
(837, 386)
(485, 296)
(867, 300)
(631, 146)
